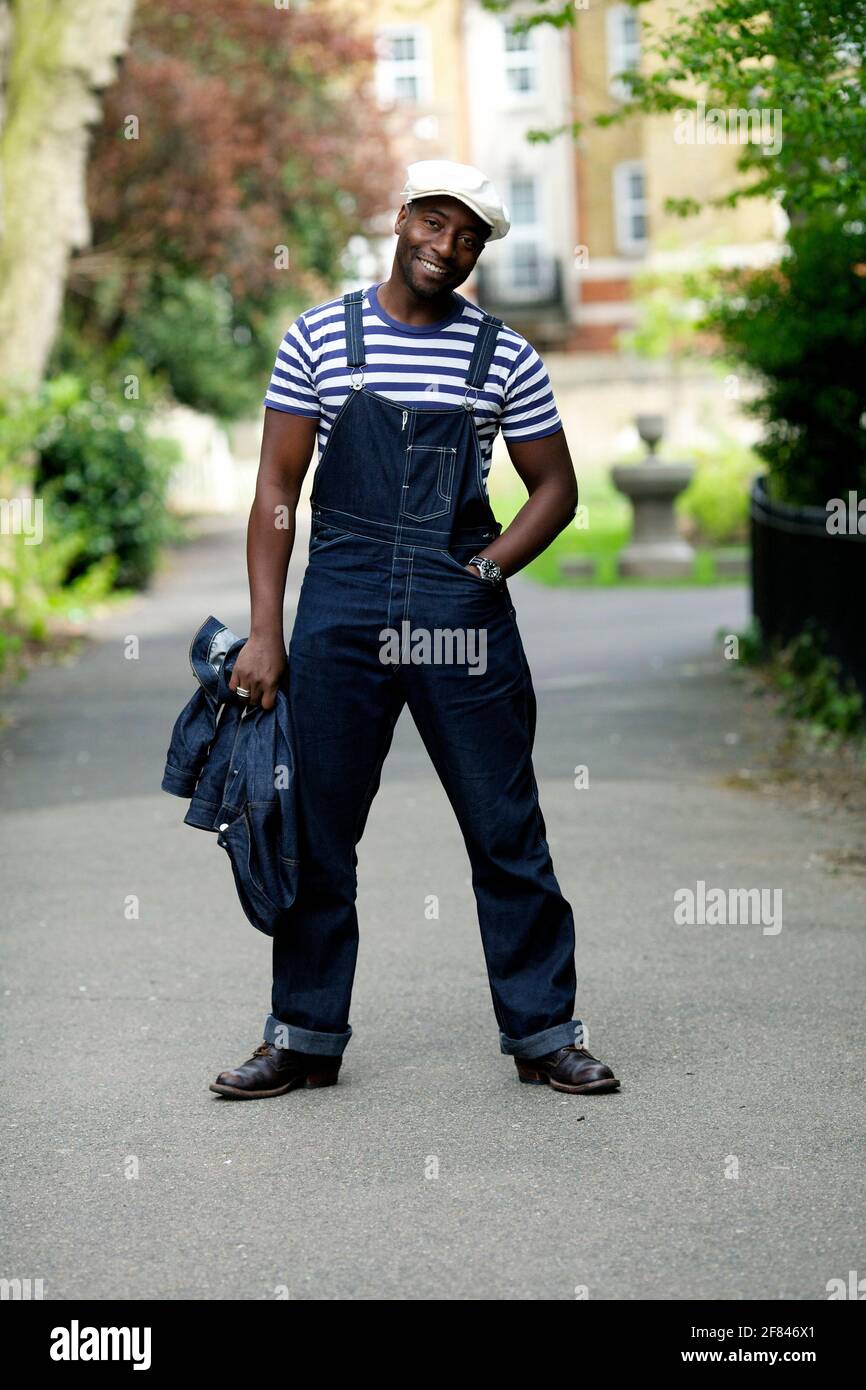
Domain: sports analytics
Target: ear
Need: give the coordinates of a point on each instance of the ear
(402, 217)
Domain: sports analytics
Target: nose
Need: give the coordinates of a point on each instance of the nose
(443, 244)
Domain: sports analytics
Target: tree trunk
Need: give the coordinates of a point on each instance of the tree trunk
(55, 57)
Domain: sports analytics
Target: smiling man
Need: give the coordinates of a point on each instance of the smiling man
(405, 385)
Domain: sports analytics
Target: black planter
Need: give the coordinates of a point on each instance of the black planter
(801, 571)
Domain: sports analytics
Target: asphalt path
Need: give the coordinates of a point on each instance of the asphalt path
(728, 1166)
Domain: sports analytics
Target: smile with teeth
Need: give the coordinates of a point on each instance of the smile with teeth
(433, 269)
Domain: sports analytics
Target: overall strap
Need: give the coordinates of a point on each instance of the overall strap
(485, 344)
(353, 308)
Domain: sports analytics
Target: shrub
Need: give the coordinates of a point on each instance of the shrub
(801, 328)
(716, 502)
(188, 334)
(812, 683)
(104, 480)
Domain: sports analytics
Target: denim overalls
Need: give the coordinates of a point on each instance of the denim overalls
(388, 615)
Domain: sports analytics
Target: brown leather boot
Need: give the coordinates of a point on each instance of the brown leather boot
(568, 1069)
(272, 1071)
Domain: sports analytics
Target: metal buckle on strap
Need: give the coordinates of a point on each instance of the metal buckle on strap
(357, 385)
(470, 405)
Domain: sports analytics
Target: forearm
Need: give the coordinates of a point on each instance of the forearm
(270, 538)
(546, 512)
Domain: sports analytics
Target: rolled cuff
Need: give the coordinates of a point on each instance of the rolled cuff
(303, 1040)
(563, 1035)
(178, 782)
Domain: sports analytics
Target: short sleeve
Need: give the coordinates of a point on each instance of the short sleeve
(530, 410)
(292, 386)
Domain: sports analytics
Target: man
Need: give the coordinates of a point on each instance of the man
(405, 384)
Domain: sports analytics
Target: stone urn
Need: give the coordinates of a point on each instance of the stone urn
(656, 550)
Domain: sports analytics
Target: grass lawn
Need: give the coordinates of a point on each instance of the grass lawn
(599, 531)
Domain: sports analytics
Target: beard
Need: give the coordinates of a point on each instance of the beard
(414, 278)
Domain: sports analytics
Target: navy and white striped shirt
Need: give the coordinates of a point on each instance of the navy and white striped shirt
(421, 366)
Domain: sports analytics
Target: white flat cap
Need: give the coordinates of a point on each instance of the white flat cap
(462, 181)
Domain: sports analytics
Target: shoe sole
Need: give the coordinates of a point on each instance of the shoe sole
(589, 1087)
(309, 1083)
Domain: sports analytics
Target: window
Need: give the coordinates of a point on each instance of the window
(522, 202)
(525, 265)
(630, 207)
(402, 68)
(528, 270)
(521, 61)
(623, 48)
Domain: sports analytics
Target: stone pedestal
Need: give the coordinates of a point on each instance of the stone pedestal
(655, 550)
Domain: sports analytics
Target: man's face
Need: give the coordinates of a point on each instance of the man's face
(439, 241)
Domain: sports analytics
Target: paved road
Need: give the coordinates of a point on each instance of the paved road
(127, 1178)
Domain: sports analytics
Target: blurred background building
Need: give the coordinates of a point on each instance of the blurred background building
(457, 81)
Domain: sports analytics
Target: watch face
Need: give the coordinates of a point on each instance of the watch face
(490, 571)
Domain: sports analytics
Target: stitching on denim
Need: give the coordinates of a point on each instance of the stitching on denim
(409, 584)
(324, 454)
(412, 409)
(477, 533)
(328, 545)
(527, 681)
(432, 448)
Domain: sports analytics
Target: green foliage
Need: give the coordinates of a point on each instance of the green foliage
(42, 590)
(257, 153)
(187, 334)
(803, 58)
(811, 682)
(814, 687)
(103, 480)
(716, 501)
(803, 61)
(668, 316)
(752, 649)
(801, 329)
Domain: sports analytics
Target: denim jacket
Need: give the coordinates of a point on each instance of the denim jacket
(236, 765)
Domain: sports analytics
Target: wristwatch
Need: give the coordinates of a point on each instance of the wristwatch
(488, 569)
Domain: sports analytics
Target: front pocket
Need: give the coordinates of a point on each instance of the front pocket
(324, 537)
(427, 481)
(472, 575)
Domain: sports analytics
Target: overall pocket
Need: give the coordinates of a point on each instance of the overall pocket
(323, 537)
(428, 481)
(471, 575)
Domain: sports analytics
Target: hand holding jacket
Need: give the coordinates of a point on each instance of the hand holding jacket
(258, 667)
(235, 762)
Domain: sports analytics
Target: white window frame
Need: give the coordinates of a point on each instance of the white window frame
(626, 206)
(528, 234)
(623, 53)
(389, 69)
(515, 58)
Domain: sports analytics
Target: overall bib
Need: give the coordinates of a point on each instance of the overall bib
(387, 616)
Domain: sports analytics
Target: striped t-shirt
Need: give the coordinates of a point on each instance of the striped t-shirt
(423, 366)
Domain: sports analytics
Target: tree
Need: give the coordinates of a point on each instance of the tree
(798, 326)
(234, 131)
(55, 60)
